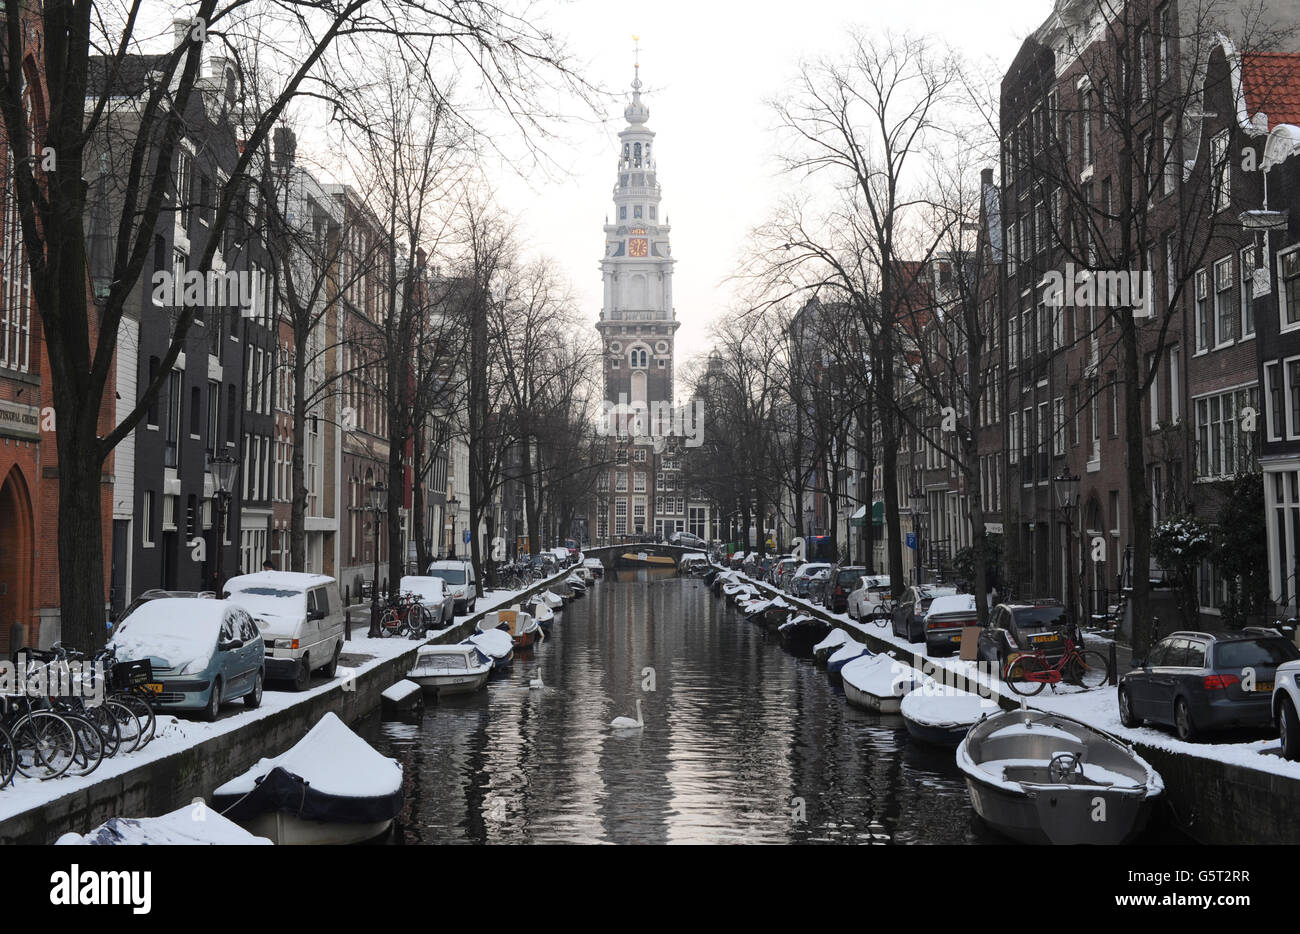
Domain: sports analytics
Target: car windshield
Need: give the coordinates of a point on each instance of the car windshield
(1253, 653)
(848, 577)
(1040, 617)
(450, 575)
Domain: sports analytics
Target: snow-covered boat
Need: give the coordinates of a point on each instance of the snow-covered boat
(595, 565)
(190, 825)
(450, 669)
(576, 584)
(552, 599)
(523, 629)
(878, 682)
(541, 611)
(823, 650)
(329, 788)
(496, 645)
(1043, 778)
(941, 715)
(846, 653)
(800, 633)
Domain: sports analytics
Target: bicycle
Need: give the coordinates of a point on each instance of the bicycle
(404, 616)
(44, 743)
(127, 704)
(1027, 672)
(93, 733)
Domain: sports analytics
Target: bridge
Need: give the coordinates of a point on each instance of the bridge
(612, 555)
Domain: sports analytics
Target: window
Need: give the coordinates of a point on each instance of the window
(15, 286)
(638, 482)
(640, 456)
(1085, 127)
(1094, 416)
(1175, 388)
(1225, 314)
(636, 212)
(196, 411)
(173, 414)
(1171, 157)
(1247, 291)
(214, 418)
(622, 212)
(1221, 167)
(1013, 438)
(1293, 394)
(1165, 47)
(1275, 413)
(183, 182)
(1222, 448)
(146, 519)
(620, 483)
(1202, 311)
(1058, 425)
(1289, 269)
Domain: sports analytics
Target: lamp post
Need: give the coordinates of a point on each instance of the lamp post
(1067, 498)
(224, 470)
(918, 516)
(378, 499)
(453, 506)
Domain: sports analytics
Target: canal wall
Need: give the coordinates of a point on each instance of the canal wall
(158, 786)
(1210, 800)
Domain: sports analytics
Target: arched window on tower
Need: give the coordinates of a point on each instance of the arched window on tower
(636, 156)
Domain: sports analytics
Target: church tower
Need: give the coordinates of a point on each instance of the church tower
(637, 326)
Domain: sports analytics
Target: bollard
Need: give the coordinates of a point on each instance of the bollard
(1114, 664)
(347, 625)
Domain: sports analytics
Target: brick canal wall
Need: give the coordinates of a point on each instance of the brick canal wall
(163, 785)
(1212, 801)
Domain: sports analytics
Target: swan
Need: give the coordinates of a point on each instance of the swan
(536, 683)
(627, 723)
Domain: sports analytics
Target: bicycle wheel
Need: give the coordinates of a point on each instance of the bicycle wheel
(390, 621)
(1016, 672)
(1090, 670)
(107, 726)
(415, 621)
(90, 745)
(144, 713)
(8, 757)
(128, 725)
(45, 745)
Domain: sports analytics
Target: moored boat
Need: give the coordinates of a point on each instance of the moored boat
(1043, 778)
(496, 645)
(331, 787)
(177, 828)
(823, 650)
(802, 632)
(645, 559)
(450, 669)
(878, 682)
(941, 715)
(541, 611)
(843, 655)
(521, 627)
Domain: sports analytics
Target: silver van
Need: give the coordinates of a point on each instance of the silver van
(460, 579)
(301, 618)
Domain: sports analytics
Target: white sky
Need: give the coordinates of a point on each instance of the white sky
(708, 66)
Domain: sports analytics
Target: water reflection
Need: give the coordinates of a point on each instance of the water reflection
(742, 742)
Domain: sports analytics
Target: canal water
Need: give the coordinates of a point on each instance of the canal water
(742, 742)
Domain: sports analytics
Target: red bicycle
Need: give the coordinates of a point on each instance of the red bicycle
(404, 616)
(1027, 672)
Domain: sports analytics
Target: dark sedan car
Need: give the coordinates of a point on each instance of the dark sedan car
(1023, 627)
(844, 578)
(909, 615)
(1198, 681)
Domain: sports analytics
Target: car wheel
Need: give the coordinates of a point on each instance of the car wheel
(1289, 729)
(333, 666)
(214, 702)
(1126, 714)
(303, 678)
(253, 699)
(1183, 724)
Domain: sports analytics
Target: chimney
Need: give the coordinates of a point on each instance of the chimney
(986, 178)
(285, 144)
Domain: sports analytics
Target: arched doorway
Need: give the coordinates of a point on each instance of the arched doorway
(16, 561)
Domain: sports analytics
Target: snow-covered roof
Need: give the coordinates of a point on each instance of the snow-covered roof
(286, 579)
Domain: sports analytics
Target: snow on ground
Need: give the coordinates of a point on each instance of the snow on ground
(1097, 708)
(175, 734)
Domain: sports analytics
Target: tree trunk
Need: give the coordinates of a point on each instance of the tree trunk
(82, 614)
(298, 506)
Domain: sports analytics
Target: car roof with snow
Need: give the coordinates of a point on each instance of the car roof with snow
(291, 580)
(953, 603)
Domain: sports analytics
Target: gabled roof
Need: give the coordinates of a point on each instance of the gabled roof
(1271, 83)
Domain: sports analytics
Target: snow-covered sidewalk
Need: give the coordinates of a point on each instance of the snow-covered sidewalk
(175, 734)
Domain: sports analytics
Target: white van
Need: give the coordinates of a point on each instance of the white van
(460, 579)
(301, 618)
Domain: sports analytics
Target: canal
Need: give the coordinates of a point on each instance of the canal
(742, 742)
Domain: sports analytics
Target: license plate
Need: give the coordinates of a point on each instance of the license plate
(153, 687)
(956, 638)
(1264, 686)
(1046, 637)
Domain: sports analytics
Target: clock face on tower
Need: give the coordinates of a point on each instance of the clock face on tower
(638, 246)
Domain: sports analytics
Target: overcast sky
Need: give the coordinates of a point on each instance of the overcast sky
(708, 67)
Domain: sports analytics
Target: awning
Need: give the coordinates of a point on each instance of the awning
(859, 518)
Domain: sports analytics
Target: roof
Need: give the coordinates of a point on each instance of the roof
(1271, 83)
(293, 579)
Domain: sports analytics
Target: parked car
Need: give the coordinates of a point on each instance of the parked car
(1023, 627)
(945, 620)
(909, 615)
(162, 594)
(843, 578)
(797, 583)
(438, 603)
(202, 652)
(817, 583)
(460, 579)
(686, 540)
(1200, 681)
(781, 565)
(1286, 705)
(302, 621)
(872, 596)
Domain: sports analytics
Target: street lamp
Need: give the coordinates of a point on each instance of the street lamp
(224, 470)
(453, 506)
(378, 495)
(918, 515)
(1067, 498)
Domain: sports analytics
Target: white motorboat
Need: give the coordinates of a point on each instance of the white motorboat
(940, 714)
(1044, 778)
(551, 599)
(496, 645)
(331, 787)
(878, 682)
(521, 626)
(541, 611)
(189, 825)
(450, 669)
(823, 650)
(595, 565)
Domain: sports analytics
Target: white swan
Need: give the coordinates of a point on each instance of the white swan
(627, 723)
(536, 683)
